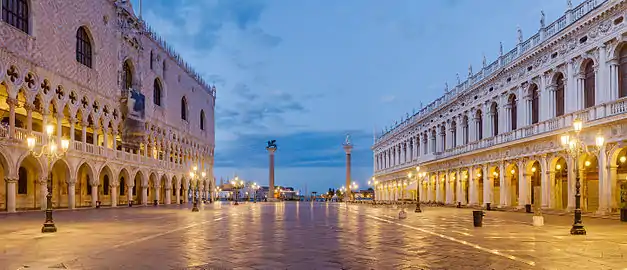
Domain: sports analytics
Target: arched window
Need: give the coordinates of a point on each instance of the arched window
(513, 111)
(495, 119)
(535, 104)
(479, 120)
(127, 73)
(157, 92)
(202, 120)
(152, 60)
(105, 185)
(622, 73)
(122, 185)
(433, 146)
(22, 181)
(453, 134)
(443, 137)
(15, 13)
(183, 108)
(559, 95)
(83, 47)
(589, 85)
(465, 129)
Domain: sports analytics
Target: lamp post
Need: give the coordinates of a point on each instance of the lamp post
(354, 187)
(420, 176)
(50, 151)
(237, 185)
(574, 146)
(373, 182)
(194, 179)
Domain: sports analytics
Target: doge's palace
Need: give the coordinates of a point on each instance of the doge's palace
(137, 117)
(499, 136)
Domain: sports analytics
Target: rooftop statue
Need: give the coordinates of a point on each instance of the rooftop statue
(272, 144)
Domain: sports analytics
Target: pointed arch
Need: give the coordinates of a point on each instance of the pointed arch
(157, 92)
(202, 119)
(127, 75)
(84, 46)
(184, 109)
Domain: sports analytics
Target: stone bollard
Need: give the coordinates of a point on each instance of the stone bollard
(538, 219)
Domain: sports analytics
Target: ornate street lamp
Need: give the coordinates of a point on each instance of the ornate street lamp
(420, 176)
(354, 186)
(237, 185)
(195, 181)
(574, 146)
(51, 152)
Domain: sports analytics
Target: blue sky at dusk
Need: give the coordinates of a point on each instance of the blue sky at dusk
(306, 72)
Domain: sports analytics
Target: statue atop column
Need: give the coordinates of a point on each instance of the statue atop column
(347, 141)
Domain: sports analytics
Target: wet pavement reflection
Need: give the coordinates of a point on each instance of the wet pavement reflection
(303, 236)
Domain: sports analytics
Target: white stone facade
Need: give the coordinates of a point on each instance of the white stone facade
(495, 138)
(43, 82)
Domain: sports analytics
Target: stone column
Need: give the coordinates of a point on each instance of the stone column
(71, 192)
(614, 199)
(271, 151)
(94, 194)
(614, 87)
(157, 191)
(129, 193)
(144, 195)
(178, 194)
(84, 133)
(604, 194)
(504, 187)
(168, 195)
(546, 185)
(11, 193)
(59, 127)
(348, 147)
(473, 197)
(29, 116)
(114, 195)
(487, 185)
(12, 102)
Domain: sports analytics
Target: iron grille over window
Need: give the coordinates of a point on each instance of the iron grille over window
(83, 47)
(15, 13)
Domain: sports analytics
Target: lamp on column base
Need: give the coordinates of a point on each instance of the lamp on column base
(49, 226)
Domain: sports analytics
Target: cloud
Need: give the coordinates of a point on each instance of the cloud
(388, 98)
(303, 149)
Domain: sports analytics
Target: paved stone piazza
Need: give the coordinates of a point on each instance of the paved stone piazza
(305, 236)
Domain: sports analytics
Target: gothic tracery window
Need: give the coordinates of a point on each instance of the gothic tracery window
(157, 93)
(184, 108)
(127, 75)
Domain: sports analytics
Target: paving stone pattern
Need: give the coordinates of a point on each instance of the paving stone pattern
(304, 236)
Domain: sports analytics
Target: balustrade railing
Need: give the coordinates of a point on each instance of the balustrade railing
(80, 147)
(590, 115)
